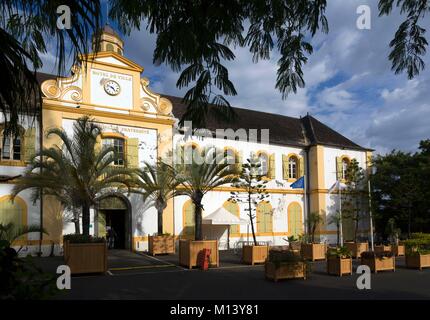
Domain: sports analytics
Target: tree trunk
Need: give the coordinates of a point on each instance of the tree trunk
(86, 219)
(338, 234)
(198, 222)
(77, 225)
(251, 219)
(160, 221)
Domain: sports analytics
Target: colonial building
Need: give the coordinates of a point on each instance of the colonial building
(143, 125)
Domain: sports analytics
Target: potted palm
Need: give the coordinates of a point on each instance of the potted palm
(418, 251)
(158, 184)
(206, 170)
(339, 261)
(313, 250)
(285, 264)
(379, 261)
(254, 186)
(77, 173)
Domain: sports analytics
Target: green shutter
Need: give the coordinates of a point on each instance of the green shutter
(338, 168)
(101, 224)
(233, 208)
(239, 161)
(133, 152)
(284, 167)
(189, 219)
(10, 212)
(264, 217)
(301, 167)
(295, 220)
(29, 144)
(272, 167)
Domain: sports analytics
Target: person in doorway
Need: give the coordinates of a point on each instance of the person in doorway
(110, 235)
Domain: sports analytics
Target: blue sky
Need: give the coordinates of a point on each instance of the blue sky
(349, 82)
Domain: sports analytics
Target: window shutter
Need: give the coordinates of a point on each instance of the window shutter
(284, 167)
(133, 152)
(29, 143)
(301, 167)
(272, 167)
(338, 168)
(233, 208)
(239, 161)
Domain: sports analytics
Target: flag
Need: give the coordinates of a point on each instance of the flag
(337, 186)
(299, 183)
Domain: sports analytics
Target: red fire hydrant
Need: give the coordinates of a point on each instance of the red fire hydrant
(204, 258)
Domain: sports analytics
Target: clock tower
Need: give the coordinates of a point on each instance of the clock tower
(109, 40)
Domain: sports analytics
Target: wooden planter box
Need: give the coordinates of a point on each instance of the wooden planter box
(380, 264)
(314, 251)
(86, 257)
(339, 266)
(285, 270)
(189, 251)
(254, 254)
(161, 245)
(382, 248)
(418, 261)
(295, 245)
(398, 250)
(357, 248)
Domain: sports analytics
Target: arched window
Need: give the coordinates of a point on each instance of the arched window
(119, 51)
(295, 223)
(109, 47)
(264, 163)
(188, 219)
(11, 147)
(293, 167)
(233, 208)
(345, 164)
(264, 217)
(13, 212)
(119, 146)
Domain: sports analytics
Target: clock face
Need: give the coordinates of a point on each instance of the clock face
(112, 87)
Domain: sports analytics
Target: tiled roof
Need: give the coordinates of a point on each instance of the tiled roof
(300, 132)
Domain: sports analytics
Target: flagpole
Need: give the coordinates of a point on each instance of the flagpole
(371, 217)
(340, 213)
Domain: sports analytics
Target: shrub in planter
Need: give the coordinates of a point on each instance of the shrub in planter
(85, 253)
(339, 261)
(161, 244)
(379, 261)
(357, 248)
(252, 254)
(285, 265)
(314, 251)
(418, 251)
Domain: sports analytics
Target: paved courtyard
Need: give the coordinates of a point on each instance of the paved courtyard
(138, 276)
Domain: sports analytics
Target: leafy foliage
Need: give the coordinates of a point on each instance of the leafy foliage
(409, 44)
(313, 221)
(196, 39)
(19, 277)
(10, 232)
(27, 28)
(82, 238)
(158, 183)
(401, 185)
(339, 252)
(77, 172)
(208, 169)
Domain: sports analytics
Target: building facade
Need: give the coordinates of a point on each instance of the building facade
(142, 126)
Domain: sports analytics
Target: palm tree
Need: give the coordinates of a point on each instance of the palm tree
(336, 219)
(158, 183)
(10, 232)
(76, 173)
(314, 220)
(26, 27)
(199, 176)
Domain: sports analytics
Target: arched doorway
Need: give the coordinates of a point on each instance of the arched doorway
(115, 211)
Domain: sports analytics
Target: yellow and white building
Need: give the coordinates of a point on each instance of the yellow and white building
(142, 125)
